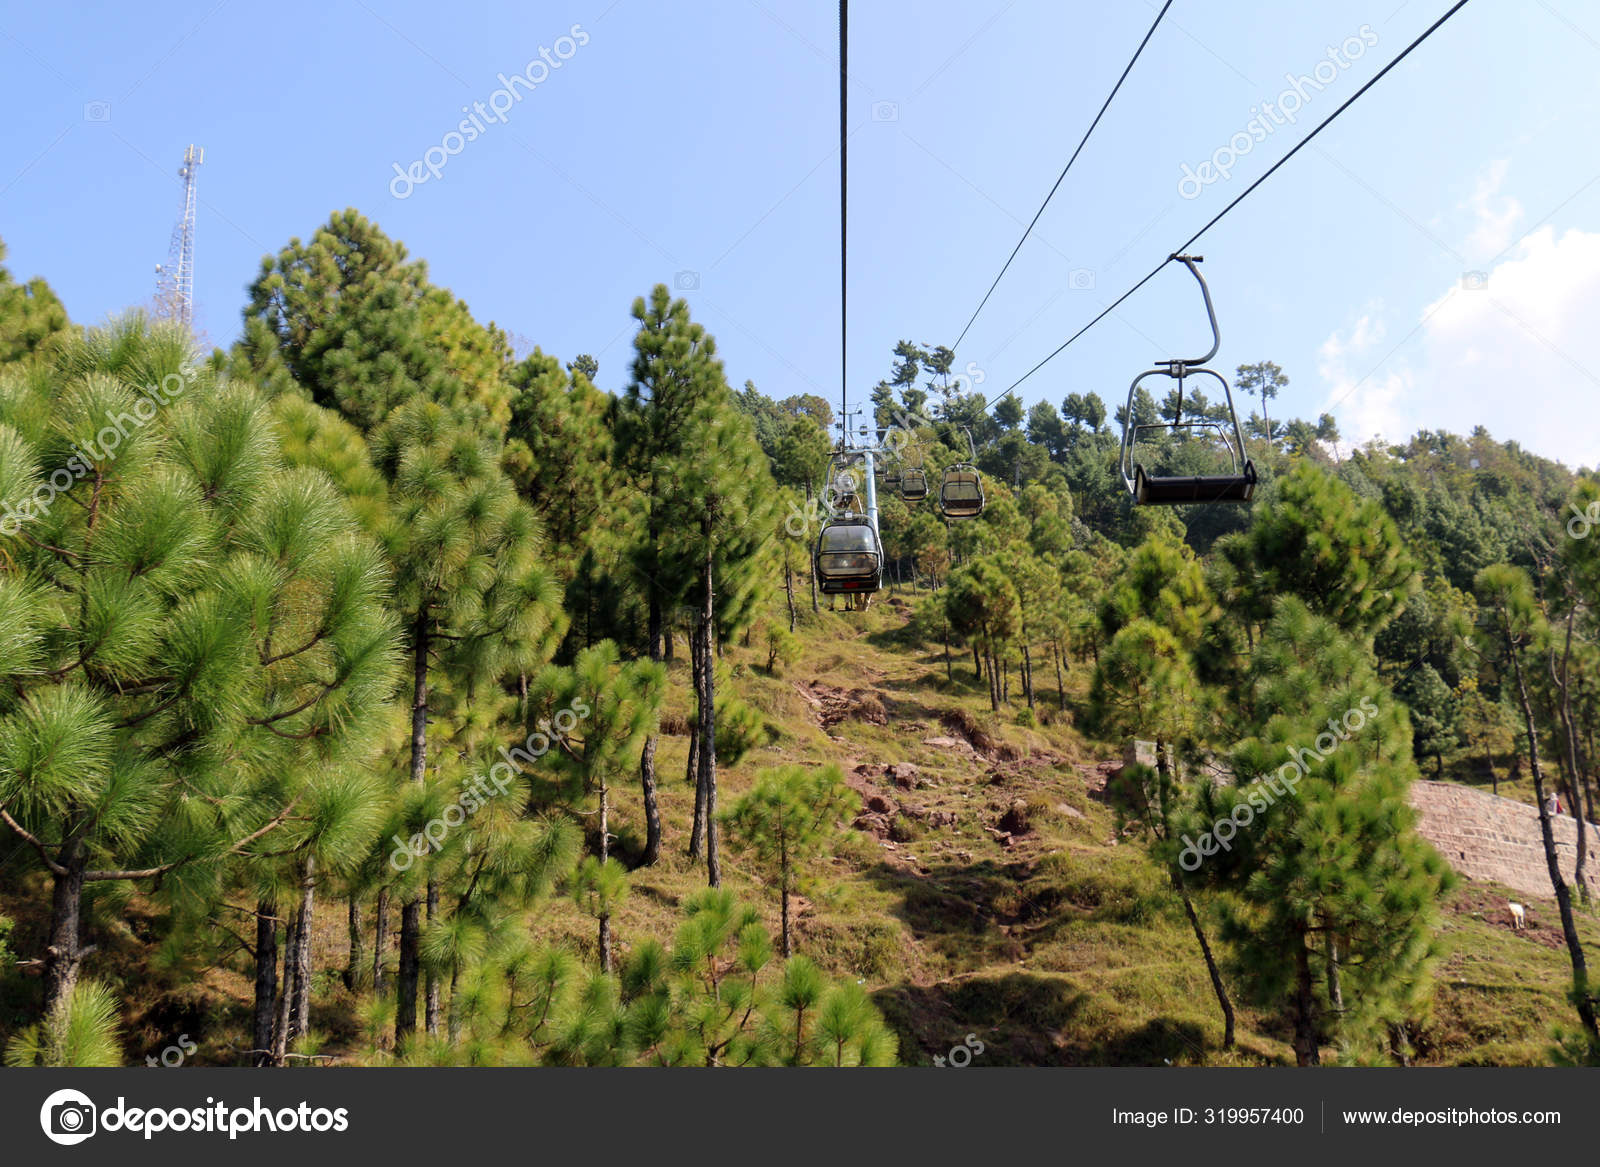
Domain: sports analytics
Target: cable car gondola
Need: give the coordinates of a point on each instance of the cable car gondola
(913, 484)
(849, 557)
(1150, 489)
(961, 487)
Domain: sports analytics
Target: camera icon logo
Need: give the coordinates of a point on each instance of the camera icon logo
(1474, 281)
(1081, 279)
(885, 111)
(687, 281)
(97, 111)
(68, 1117)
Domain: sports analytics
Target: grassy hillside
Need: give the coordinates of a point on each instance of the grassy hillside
(986, 891)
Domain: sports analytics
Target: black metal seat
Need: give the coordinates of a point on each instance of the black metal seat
(1167, 491)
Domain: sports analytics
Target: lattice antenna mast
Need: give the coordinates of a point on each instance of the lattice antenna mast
(175, 278)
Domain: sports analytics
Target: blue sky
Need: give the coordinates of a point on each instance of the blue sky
(700, 137)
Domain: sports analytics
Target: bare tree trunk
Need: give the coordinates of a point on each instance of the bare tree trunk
(1217, 987)
(405, 1015)
(652, 809)
(1061, 689)
(286, 990)
(1569, 929)
(431, 996)
(788, 590)
(708, 710)
(605, 942)
(697, 830)
(1306, 1052)
(380, 941)
(302, 949)
(266, 980)
(1563, 683)
(64, 948)
(355, 970)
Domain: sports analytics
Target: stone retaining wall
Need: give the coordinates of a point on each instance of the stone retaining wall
(1488, 838)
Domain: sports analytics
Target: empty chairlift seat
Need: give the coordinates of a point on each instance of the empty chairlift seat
(913, 484)
(1238, 484)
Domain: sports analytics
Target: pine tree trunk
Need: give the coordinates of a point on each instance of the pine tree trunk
(708, 710)
(1061, 689)
(355, 970)
(266, 980)
(697, 830)
(1569, 929)
(783, 876)
(64, 948)
(605, 820)
(380, 941)
(1330, 952)
(1027, 673)
(1570, 738)
(431, 994)
(1306, 1052)
(652, 809)
(405, 1016)
(1217, 987)
(284, 1020)
(788, 590)
(405, 980)
(302, 949)
(605, 942)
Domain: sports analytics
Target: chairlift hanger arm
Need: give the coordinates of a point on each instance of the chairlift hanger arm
(1191, 262)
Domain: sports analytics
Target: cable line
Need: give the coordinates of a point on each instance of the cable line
(1106, 105)
(1215, 219)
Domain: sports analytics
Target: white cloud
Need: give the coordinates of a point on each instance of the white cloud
(1495, 216)
(1515, 356)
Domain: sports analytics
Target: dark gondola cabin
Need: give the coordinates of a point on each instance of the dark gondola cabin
(961, 492)
(913, 484)
(849, 557)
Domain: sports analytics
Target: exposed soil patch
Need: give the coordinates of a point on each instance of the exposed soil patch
(833, 705)
(1478, 902)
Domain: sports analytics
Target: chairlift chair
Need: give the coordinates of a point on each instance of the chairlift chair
(961, 487)
(849, 556)
(913, 484)
(1147, 489)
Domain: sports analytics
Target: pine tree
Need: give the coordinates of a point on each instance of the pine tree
(1145, 684)
(1332, 896)
(196, 638)
(33, 322)
(790, 815)
(473, 596)
(1506, 598)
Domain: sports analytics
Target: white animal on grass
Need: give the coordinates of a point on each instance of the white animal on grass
(1519, 916)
